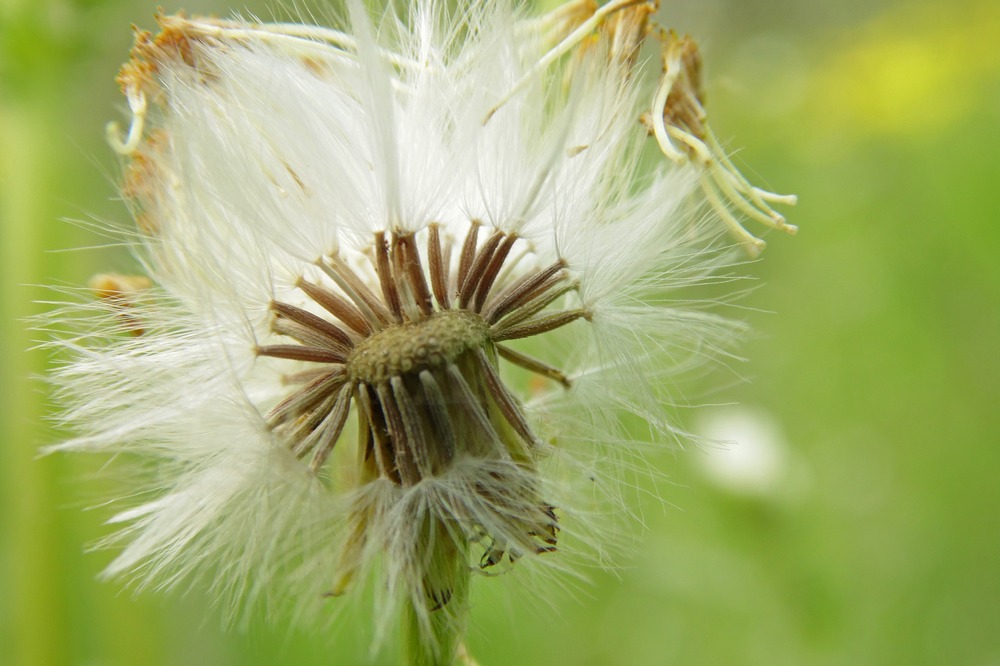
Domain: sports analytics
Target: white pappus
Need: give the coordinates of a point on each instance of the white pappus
(402, 281)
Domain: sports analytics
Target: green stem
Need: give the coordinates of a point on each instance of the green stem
(439, 646)
(432, 634)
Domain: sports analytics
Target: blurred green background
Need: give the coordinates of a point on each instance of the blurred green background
(859, 522)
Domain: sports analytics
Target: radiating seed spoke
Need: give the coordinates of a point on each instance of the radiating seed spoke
(318, 324)
(468, 253)
(383, 453)
(304, 376)
(307, 397)
(523, 291)
(377, 313)
(532, 364)
(332, 426)
(505, 401)
(470, 403)
(541, 301)
(511, 264)
(413, 269)
(438, 408)
(492, 270)
(441, 392)
(309, 336)
(337, 306)
(397, 433)
(438, 267)
(478, 269)
(385, 277)
(302, 434)
(538, 325)
(417, 444)
(301, 353)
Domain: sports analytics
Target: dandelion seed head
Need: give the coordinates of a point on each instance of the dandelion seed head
(356, 242)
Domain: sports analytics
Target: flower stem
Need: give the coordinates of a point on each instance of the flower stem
(440, 645)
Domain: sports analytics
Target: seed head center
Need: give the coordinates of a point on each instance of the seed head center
(416, 345)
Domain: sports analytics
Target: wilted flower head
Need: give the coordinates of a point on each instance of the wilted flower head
(400, 277)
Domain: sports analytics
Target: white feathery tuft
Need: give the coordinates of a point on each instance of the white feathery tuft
(454, 194)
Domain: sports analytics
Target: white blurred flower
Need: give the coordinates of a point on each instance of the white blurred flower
(748, 455)
(350, 237)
